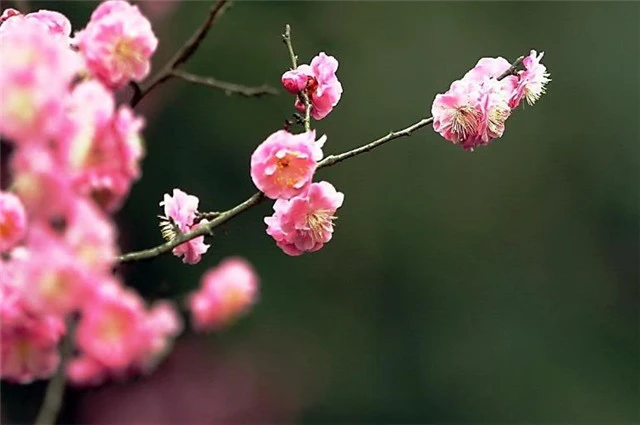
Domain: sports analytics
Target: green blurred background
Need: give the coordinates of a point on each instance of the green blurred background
(499, 286)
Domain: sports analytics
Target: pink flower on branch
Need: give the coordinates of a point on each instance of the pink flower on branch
(226, 292)
(533, 80)
(180, 214)
(283, 165)
(117, 43)
(474, 110)
(305, 223)
(318, 81)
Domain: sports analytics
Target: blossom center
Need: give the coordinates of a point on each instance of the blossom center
(127, 55)
(112, 328)
(319, 223)
(20, 105)
(288, 170)
(464, 121)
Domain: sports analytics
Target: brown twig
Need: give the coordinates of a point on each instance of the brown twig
(183, 54)
(257, 197)
(227, 87)
(54, 393)
(286, 38)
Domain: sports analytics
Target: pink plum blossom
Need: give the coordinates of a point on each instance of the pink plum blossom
(56, 22)
(84, 370)
(457, 114)
(226, 292)
(13, 221)
(52, 279)
(112, 325)
(283, 165)
(117, 43)
(102, 147)
(28, 339)
(474, 109)
(163, 325)
(36, 70)
(145, 344)
(180, 213)
(305, 223)
(40, 182)
(91, 236)
(318, 81)
(532, 81)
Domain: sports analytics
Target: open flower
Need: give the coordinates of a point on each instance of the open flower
(180, 214)
(283, 165)
(226, 292)
(305, 223)
(117, 43)
(532, 81)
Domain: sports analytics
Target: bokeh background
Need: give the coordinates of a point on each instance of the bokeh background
(499, 286)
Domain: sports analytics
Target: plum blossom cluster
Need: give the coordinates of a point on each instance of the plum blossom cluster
(474, 110)
(73, 155)
(283, 165)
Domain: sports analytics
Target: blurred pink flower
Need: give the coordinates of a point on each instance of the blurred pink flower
(148, 340)
(283, 165)
(28, 339)
(91, 236)
(51, 278)
(36, 70)
(101, 147)
(117, 43)
(112, 326)
(13, 221)
(226, 292)
(40, 182)
(56, 22)
(305, 223)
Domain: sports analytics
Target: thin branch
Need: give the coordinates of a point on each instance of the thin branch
(227, 87)
(334, 159)
(223, 217)
(512, 69)
(258, 197)
(286, 38)
(184, 53)
(55, 389)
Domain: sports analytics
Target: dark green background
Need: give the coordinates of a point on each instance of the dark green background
(499, 286)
